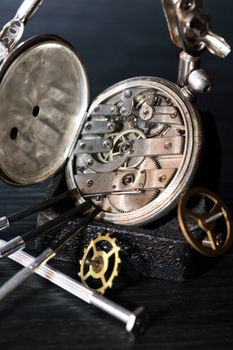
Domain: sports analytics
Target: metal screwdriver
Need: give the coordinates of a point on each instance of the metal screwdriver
(19, 242)
(45, 256)
(135, 322)
(6, 221)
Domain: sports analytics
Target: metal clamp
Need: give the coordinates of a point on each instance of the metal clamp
(13, 30)
(190, 28)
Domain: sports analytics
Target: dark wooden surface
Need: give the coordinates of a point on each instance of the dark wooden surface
(118, 39)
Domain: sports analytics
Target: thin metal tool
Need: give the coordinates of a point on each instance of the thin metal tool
(134, 321)
(19, 242)
(45, 256)
(14, 29)
(6, 221)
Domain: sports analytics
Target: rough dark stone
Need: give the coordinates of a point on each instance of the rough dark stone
(158, 250)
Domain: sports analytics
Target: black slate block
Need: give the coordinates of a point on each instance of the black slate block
(158, 250)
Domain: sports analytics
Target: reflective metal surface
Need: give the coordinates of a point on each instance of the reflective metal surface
(146, 164)
(133, 320)
(44, 96)
(191, 29)
(12, 31)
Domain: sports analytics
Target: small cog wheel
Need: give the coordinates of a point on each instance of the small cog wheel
(122, 144)
(215, 223)
(100, 262)
(106, 157)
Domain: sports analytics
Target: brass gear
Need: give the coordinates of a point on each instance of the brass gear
(126, 203)
(106, 157)
(214, 240)
(100, 263)
(123, 142)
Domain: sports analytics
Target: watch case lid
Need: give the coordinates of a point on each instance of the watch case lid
(44, 96)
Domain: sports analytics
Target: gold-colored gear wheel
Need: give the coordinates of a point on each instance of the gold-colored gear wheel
(211, 242)
(100, 263)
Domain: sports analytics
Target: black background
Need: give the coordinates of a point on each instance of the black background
(116, 40)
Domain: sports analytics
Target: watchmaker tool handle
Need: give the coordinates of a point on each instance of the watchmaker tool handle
(5, 221)
(45, 256)
(12, 246)
(70, 234)
(20, 241)
(23, 274)
(131, 319)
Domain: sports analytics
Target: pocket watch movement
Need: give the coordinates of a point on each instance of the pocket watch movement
(138, 148)
(140, 144)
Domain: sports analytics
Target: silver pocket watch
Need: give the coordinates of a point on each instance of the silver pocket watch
(137, 146)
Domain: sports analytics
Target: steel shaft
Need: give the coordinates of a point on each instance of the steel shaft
(134, 321)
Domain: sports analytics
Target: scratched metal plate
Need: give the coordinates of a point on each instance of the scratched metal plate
(44, 96)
